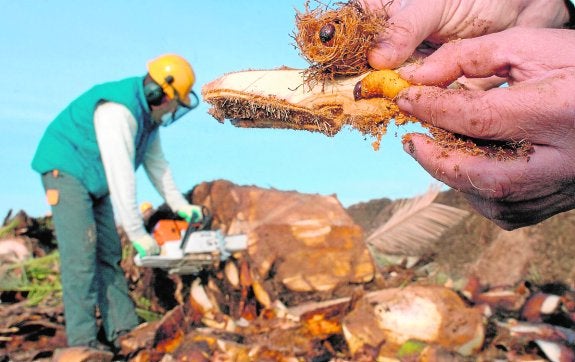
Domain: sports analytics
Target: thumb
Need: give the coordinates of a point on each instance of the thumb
(407, 27)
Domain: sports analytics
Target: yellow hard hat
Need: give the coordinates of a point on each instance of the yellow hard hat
(145, 206)
(174, 74)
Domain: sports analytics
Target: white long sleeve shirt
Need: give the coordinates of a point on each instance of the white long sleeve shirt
(116, 130)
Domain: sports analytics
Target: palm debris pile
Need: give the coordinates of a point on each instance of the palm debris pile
(308, 288)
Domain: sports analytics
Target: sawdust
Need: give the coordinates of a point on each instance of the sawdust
(500, 150)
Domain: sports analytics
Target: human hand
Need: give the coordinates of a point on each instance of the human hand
(538, 107)
(439, 21)
(146, 245)
(191, 213)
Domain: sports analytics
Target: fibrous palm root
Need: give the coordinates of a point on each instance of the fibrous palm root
(335, 41)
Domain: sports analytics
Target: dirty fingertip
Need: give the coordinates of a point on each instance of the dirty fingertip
(408, 144)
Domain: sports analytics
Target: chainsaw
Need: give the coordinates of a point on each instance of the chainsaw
(188, 248)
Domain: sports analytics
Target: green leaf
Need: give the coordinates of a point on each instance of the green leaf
(411, 348)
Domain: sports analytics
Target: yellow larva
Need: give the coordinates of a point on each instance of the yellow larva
(380, 83)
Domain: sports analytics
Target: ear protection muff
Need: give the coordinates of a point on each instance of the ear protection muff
(154, 93)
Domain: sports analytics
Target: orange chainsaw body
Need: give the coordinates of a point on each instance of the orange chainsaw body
(169, 230)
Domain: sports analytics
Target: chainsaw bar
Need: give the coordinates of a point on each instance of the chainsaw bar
(198, 250)
(187, 264)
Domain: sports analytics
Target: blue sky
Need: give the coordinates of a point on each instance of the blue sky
(54, 50)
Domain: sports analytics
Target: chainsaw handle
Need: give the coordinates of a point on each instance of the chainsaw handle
(206, 221)
(206, 218)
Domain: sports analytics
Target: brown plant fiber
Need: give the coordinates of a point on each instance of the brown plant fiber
(354, 31)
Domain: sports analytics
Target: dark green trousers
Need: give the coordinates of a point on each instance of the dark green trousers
(90, 255)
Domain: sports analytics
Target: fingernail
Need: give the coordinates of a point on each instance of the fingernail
(408, 68)
(406, 71)
(408, 145)
(403, 101)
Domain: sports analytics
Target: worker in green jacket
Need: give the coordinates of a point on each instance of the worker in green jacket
(87, 158)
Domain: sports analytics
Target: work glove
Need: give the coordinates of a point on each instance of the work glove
(146, 246)
(191, 213)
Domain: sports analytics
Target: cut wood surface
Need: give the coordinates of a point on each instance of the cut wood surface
(281, 98)
(309, 240)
